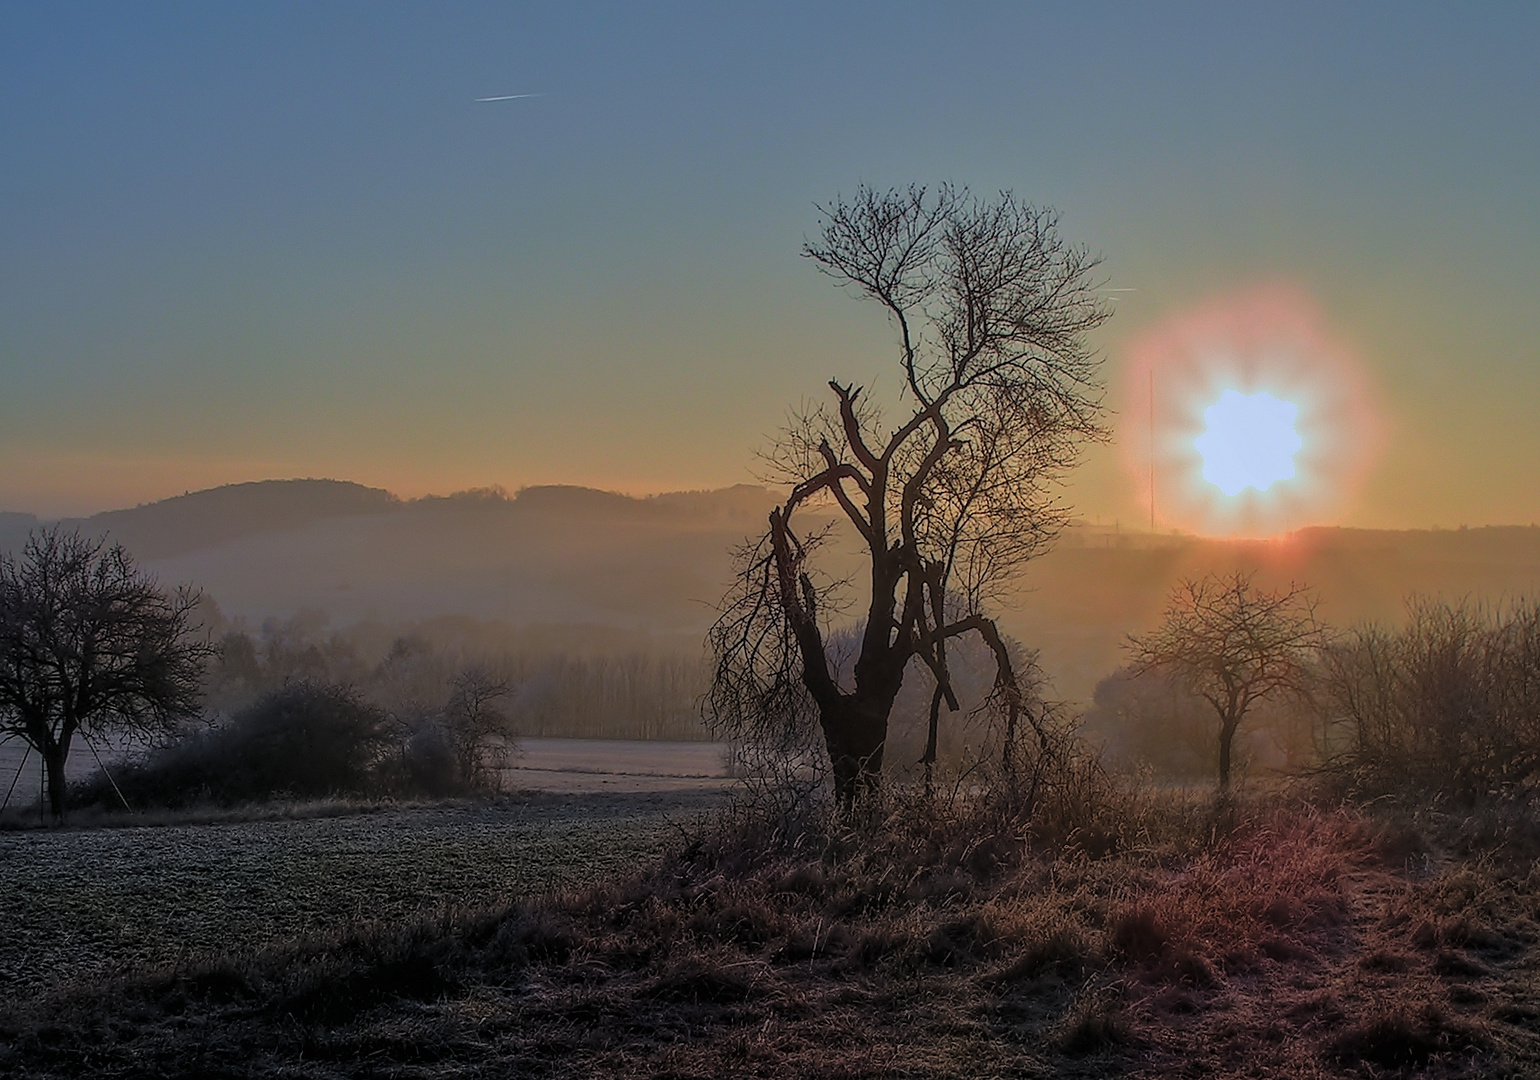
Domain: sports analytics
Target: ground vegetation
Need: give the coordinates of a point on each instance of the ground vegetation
(1449, 701)
(1149, 935)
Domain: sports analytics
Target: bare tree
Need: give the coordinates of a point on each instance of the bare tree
(89, 643)
(999, 391)
(1449, 701)
(1233, 645)
(471, 718)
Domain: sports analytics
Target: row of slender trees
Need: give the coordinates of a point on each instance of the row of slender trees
(582, 685)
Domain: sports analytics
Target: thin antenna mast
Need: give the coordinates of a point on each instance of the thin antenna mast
(1152, 449)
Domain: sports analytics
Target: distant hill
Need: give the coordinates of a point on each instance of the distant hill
(545, 555)
(202, 518)
(576, 556)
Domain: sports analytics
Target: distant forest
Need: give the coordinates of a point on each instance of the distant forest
(571, 682)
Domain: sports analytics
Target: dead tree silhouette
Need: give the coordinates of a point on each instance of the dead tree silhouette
(1000, 391)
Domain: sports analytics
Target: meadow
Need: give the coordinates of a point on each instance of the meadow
(92, 903)
(1283, 933)
(1036, 912)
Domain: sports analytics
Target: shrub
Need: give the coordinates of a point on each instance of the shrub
(304, 740)
(428, 757)
(1450, 703)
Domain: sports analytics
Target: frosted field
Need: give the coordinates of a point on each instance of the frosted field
(105, 901)
(597, 765)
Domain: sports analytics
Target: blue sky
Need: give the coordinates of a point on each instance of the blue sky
(250, 240)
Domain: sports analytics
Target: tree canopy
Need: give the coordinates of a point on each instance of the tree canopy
(90, 643)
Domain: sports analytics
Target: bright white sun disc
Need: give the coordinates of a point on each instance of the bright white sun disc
(1250, 441)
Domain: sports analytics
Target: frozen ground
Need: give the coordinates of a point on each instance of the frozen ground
(98, 902)
(598, 765)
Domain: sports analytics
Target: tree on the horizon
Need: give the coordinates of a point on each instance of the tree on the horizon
(1233, 645)
(999, 390)
(89, 643)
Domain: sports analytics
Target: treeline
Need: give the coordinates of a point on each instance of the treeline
(572, 682)
(297, 709)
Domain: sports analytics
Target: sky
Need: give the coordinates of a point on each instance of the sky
(246, 241)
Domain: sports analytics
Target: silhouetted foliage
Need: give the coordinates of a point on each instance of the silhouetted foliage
(999, 390)
(305, 740)
(89, 644)
(476, 729)
(1154, 721)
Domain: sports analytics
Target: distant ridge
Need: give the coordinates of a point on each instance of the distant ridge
(199, 519)
(574, 556)
(740, 499)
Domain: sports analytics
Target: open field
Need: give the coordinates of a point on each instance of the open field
(1181, 937)
(559, 765)
(616, 765)
(86, 903)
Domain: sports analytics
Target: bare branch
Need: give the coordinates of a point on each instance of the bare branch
(992, 312)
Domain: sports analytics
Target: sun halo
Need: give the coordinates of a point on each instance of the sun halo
(1245, 417)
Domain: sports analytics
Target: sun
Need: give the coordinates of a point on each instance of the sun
(1247, 416)
(1250, 441)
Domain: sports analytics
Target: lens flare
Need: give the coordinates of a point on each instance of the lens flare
(1250, 441)
(1246, 417)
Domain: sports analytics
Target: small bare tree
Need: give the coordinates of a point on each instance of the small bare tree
(89, 643)
(999, 391)
(1234, 645)
(472, 719)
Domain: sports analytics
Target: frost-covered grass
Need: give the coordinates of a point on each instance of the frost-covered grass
(82, 903)
(1158, 936)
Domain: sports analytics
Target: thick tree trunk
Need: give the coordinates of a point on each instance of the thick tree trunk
(53, 760)
(855, 733)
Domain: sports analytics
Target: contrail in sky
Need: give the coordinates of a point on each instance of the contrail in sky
(508, 97)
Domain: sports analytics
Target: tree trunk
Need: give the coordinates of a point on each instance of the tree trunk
(929, 760)
(855, 733)
(1226, 738)
(53, 760)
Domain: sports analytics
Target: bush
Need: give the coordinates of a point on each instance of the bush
(305, 740)
(1450, 703)
(429, 759)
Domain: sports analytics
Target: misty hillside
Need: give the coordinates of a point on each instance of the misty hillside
(577, 556)
(549, 554)
(1078, 603)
